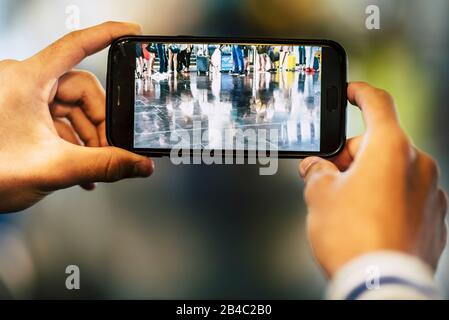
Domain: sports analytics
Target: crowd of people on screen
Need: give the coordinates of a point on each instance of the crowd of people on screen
(159, 59)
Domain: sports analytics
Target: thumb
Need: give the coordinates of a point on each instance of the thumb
(315, 167)
(107, 164)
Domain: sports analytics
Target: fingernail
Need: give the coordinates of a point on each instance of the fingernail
(89, 186)
(306, 164)
(144, 168)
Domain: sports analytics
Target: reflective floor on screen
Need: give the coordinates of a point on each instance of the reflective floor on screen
(219, 108)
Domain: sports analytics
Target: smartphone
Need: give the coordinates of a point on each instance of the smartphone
(228, 94)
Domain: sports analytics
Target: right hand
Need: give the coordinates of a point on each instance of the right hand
(379, 193)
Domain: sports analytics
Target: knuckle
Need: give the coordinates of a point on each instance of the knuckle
(111, 23)
(69, 38)
(114, 24)
(88, 76)
(316, 185)
(363, 84)
(137, 27)
(383, 94)
(92, 85)
(112, 168)
(432, 168)
(315, 168)
(430, 165)
(400, 143)
(378, 94)
(74, 34)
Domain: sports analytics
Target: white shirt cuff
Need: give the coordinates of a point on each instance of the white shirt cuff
(383, 275)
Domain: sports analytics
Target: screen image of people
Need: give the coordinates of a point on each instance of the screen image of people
(227, 92)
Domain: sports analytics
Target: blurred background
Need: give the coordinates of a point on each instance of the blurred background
(223, 231)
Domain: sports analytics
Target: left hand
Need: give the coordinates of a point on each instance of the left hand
(52, 122)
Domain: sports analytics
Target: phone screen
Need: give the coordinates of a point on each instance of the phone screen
(227, 96)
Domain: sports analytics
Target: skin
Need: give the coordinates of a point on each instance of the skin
(53, 122)
(380, 193)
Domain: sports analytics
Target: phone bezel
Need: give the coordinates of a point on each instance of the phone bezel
(120, 118)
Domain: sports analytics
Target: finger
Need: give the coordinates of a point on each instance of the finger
(65, 131)
(430, 172)
(101, 130)
(106, 164)
(71, 49)
(318, 174)
(84, 128)
(314, 167)
(83, 89)
(86, 131)
(377, 105)
(345, 158)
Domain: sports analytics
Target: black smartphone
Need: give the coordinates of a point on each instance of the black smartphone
(228, 94)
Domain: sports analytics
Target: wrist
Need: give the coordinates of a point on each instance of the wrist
(388, 274)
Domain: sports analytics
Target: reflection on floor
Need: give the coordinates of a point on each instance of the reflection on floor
(225, 104)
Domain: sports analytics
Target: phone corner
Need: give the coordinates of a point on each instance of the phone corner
(338, 150)
(337, 46)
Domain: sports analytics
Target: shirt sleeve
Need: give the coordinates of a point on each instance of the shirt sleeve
(384, 275)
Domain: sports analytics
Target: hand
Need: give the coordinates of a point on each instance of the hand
(379, 193)
(52, 122)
